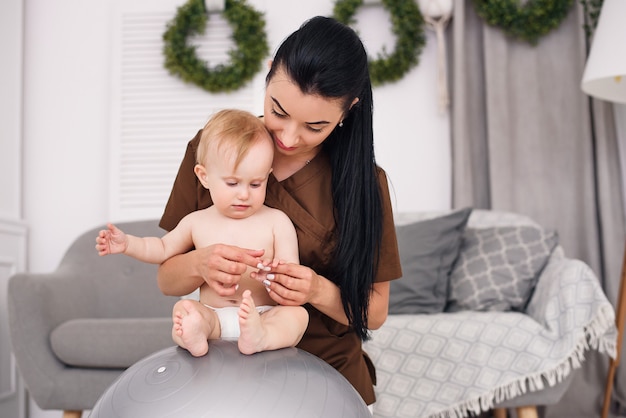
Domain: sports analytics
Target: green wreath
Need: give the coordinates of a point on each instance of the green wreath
(245, 61)
(528, 22)
(408, 26)
(591, 10)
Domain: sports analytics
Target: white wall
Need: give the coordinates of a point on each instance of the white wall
(67, 118)
(67, 79)
(12, 229)
(11, 15)
(65, 123)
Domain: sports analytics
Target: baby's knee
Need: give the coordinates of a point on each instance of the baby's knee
(184, 306)
(179, 306)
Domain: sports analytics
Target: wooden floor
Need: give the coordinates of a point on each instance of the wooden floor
(522, 412)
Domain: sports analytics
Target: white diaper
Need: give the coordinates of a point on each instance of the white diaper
(229, 320)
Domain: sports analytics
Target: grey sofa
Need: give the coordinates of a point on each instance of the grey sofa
(76, 329)
(451, 362)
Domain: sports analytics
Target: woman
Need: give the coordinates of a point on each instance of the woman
(318, 108)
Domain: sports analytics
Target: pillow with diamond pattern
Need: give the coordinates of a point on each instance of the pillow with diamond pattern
(498, 267)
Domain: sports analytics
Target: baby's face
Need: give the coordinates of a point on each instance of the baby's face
(239, 192)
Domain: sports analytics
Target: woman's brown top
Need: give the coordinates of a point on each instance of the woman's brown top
(307, 199)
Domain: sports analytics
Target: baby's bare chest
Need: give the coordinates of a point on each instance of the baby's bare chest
(250, 235)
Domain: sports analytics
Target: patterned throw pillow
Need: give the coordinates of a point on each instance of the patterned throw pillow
(497, 268)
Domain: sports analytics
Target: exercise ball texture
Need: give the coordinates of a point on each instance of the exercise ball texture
(286, 383)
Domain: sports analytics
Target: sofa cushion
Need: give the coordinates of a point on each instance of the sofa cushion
(110, 343)
(498, 267)
(427, 252)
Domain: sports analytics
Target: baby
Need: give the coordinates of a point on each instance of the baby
(234, 161)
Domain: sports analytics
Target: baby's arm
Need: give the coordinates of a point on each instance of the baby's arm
(285, 245)
(148, 249)
(285, 240)
(111, 241)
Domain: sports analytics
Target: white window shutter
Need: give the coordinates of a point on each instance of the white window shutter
(154, 114)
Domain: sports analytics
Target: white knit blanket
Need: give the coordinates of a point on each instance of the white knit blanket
(458, 364)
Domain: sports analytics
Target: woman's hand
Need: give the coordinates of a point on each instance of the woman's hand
(220, 266)
(291, 284)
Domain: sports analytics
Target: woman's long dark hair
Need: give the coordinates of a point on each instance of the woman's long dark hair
(327, 58)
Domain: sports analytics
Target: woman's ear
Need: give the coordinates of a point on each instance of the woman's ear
(201, 174)
(355, 101)
(269, 64)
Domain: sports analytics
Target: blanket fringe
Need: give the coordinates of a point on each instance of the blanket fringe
(597, 336)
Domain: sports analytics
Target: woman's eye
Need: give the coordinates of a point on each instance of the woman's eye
(283, 116)
(278, 115)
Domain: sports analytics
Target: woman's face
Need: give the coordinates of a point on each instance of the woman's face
(298, 122)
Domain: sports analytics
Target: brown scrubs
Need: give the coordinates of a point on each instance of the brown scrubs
(306, 198)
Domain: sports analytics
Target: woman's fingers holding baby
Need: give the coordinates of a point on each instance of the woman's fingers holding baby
(222, 265)
(264, 273)
(268, 265)
(291, 284)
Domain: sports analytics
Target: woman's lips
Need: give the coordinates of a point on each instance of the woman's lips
(282, 146)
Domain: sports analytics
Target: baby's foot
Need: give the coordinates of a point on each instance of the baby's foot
(177, 327)
(189, 326)
(252, 334)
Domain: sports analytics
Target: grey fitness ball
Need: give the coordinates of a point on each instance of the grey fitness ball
(286, 383)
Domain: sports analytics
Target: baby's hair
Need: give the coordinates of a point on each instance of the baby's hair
(231, 130)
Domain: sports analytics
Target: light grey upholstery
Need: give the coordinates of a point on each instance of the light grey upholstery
(104, 312)
(464, 363)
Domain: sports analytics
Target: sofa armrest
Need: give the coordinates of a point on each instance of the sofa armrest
(569, 289)
(37, 303)
(548, 285)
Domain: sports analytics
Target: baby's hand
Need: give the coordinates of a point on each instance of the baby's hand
(265, 267)
(111, 241)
